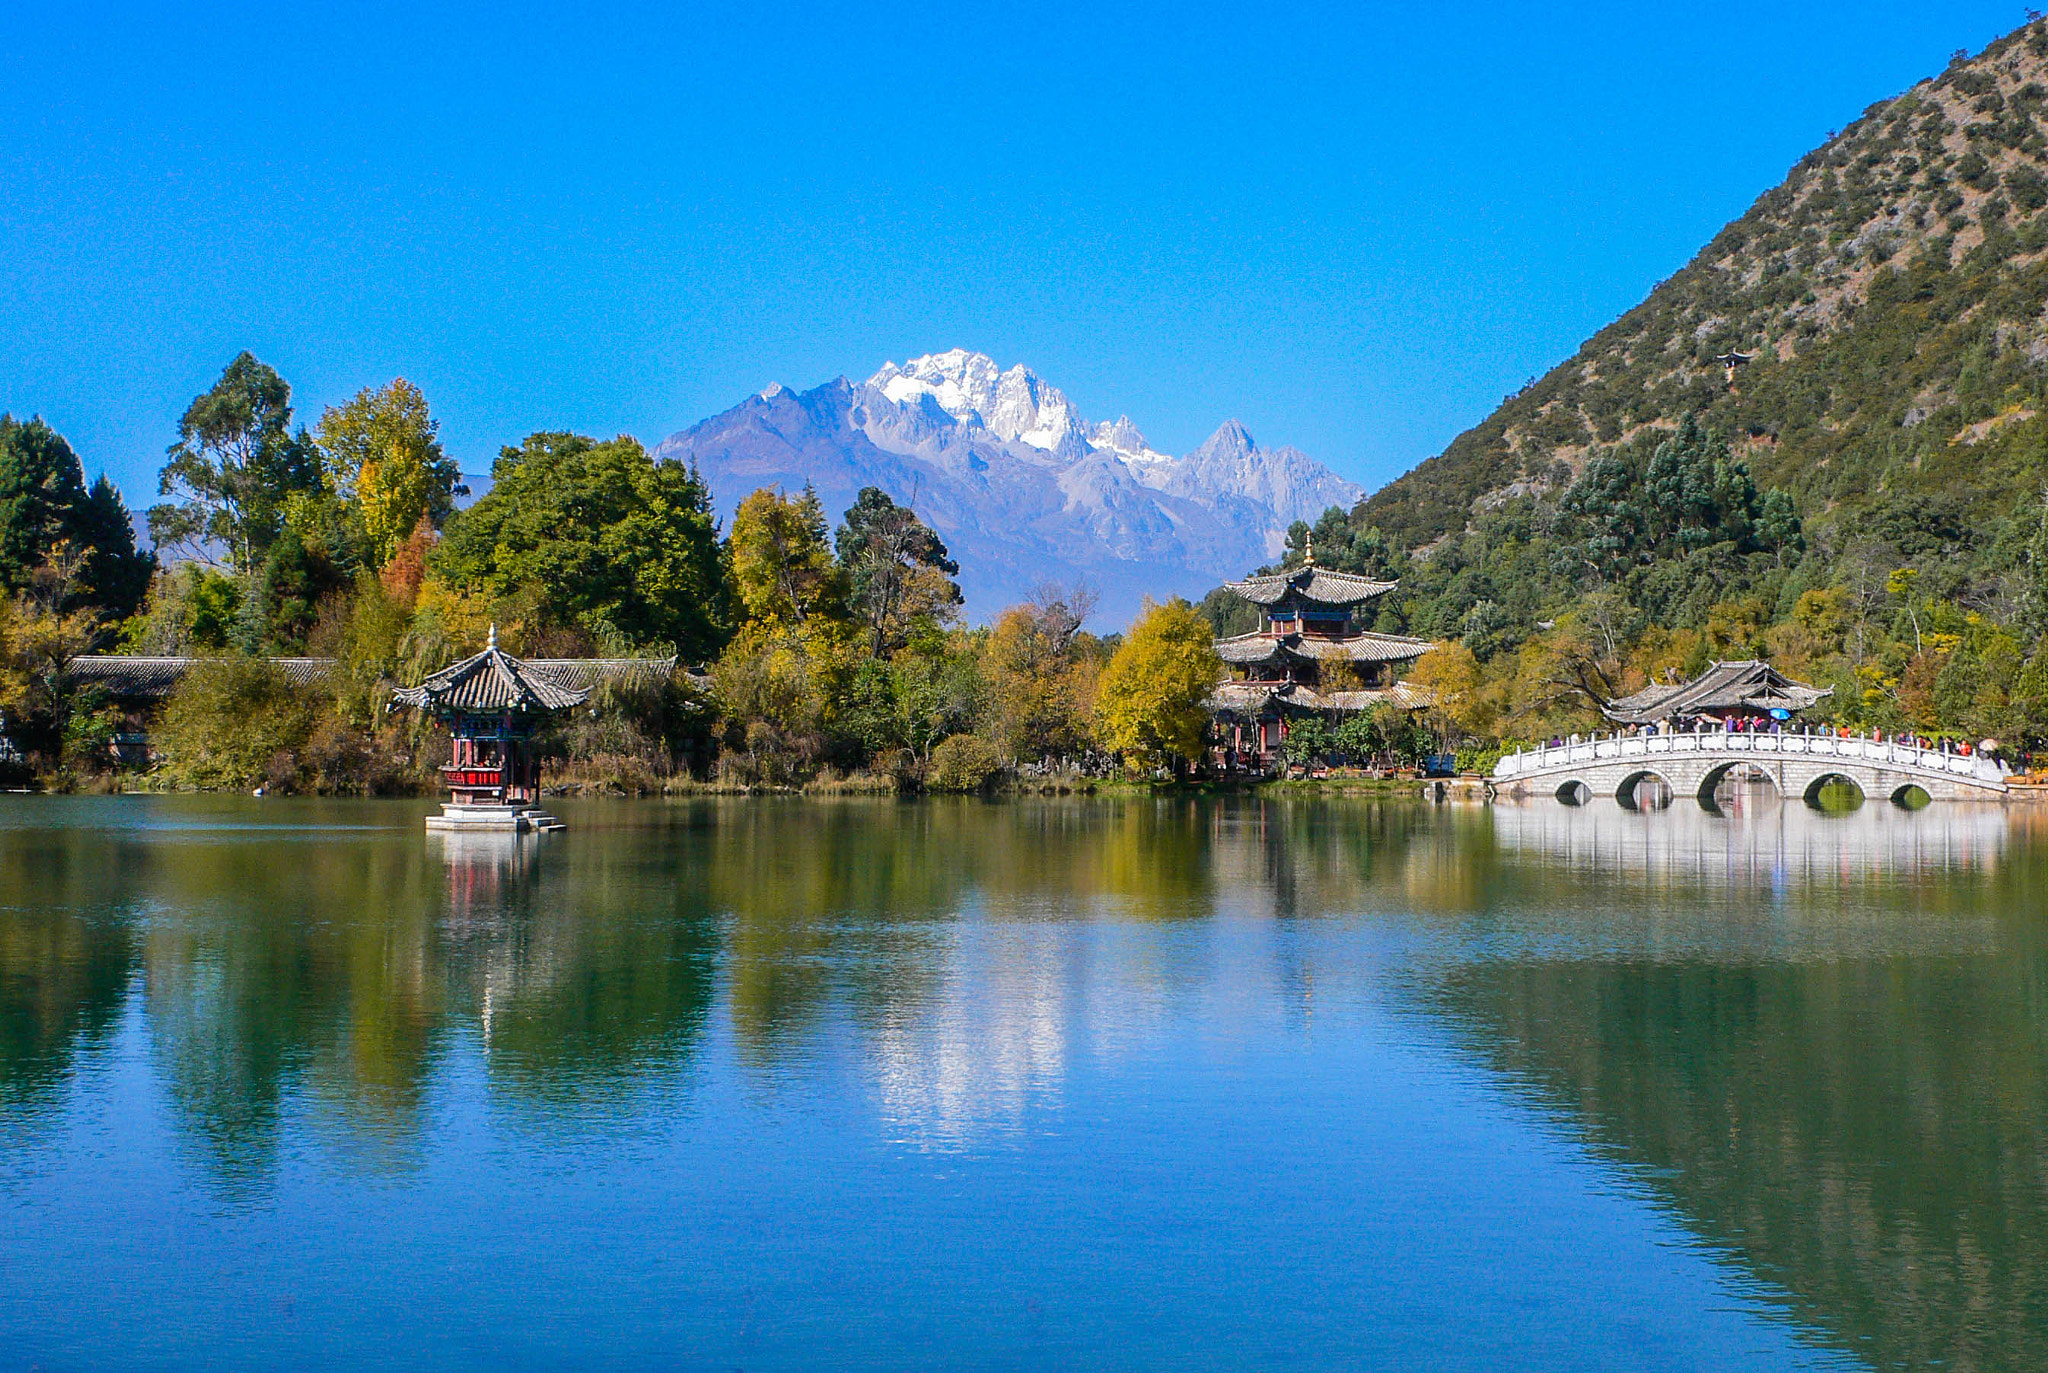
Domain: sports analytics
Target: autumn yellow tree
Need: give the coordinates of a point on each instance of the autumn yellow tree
(1040, 669)
(780, 680)
(382, 450)
(1458, 702)
(1150, 705)
(782, 563)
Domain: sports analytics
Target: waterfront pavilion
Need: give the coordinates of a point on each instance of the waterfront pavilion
(1727, 693)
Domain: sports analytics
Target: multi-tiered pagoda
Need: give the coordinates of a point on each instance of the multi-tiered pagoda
(1308, 657)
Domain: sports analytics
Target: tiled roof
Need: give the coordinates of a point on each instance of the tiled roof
(1311, 583)
(152, 679)
(1357, 648)
(587, 674)
(490, 683)
(1723, 686)
(1248, 698)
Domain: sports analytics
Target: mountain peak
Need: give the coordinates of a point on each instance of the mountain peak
(1122, 438)
(1231, 440)
(1016, 404)
(1021, 487)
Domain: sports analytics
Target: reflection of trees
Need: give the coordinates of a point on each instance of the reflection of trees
(589, 964)
(1867, 1132)
(843, 905)
(824, 901)
(289, 960)
(66, 956)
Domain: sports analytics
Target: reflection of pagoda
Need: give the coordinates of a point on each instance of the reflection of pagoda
(491, 704)
(1308, 657)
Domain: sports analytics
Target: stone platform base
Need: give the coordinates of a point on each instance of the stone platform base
(494, 820)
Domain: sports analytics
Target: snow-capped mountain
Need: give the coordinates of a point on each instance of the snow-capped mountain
(1021, 487)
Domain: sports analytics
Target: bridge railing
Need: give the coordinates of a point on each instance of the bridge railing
(1731, 744)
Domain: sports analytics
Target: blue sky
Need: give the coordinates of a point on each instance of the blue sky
(1353, 227)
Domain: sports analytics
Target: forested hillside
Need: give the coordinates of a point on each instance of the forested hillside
(1857, 496)
(1891, 292)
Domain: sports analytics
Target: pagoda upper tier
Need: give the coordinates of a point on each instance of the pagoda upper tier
(1309, 586)
(1309, 619)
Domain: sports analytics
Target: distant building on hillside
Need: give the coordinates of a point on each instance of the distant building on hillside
(1308, 657)
(1739, 691)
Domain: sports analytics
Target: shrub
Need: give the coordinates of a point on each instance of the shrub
(965, 762)
(228, 722)
(1307, 741)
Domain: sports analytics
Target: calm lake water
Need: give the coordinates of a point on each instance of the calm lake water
(1060, 1084)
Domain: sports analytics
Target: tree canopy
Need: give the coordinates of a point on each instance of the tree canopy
(610, 540)
(383, 451)
(47, 512)
(1151, 704)
(782, 563)
(233, 467)
(897, 570)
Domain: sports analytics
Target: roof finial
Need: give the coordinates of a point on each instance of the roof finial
(493, 641)
(1308, 548)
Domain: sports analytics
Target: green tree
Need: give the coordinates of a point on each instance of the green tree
(230, 719)
(42, 485)
(1358, 736)
(1151, 706)
(289, 591)
(1308, 739)
(382, 450)
(235, 464)
(45, 506)
(610, 540)
(897, 571)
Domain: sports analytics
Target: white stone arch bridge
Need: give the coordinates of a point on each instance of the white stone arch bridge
(1799, 765)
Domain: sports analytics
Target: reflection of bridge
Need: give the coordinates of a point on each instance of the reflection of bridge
(1694, 764)
(1780, 847)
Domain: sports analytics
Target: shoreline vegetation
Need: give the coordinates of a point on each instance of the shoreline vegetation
(301, 576)
(800, 657)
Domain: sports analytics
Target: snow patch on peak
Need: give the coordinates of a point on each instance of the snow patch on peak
(1017, 405)
(774, 389)
(1122, 438)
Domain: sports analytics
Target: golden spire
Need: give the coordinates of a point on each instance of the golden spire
(1308, 549)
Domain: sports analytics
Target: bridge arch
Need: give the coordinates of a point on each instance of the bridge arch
(1826, 779)
(1719, 773)
(1574, 792)
(1626, 792)
(1911, 796)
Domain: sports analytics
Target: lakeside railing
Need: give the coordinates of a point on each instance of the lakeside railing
(1861, 748)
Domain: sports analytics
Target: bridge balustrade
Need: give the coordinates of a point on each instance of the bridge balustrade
(1886, 753)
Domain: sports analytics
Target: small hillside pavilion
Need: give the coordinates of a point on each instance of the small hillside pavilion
(1309, 656)
(491, 704)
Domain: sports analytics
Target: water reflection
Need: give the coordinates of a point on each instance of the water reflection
(1868, 1135)
(1820, 1040)
(67, 953)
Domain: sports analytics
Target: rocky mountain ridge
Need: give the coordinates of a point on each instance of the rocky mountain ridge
(1021, 486)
